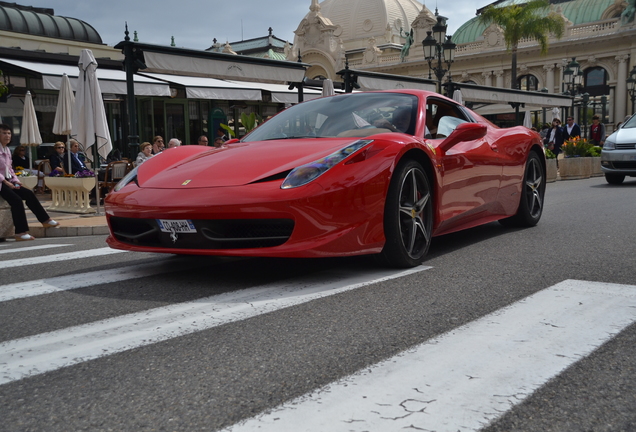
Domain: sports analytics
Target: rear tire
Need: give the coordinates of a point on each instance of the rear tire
(532, 195)
(614, 179)
(408, 217)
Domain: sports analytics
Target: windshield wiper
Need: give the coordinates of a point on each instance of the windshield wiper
(291, 137)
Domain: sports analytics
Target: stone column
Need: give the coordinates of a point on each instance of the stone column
(621, 87)
(500, 78)
(549, 78)
(487, 78)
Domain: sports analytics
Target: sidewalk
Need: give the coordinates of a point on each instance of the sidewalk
(71, 224)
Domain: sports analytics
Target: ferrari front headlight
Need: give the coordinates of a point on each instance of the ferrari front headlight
(304, 174)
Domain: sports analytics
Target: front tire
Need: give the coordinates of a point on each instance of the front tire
(532, 195)
(408, 217)
(614, 179)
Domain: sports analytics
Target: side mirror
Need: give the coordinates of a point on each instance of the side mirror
(462, 133)
(231, 141)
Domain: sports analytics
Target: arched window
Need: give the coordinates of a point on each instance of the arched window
(528, 82)
(596, 81)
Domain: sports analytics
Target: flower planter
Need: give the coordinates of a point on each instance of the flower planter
(550, 170)
(70, 194)
(596, 167)
(574, 168)
(29, 182)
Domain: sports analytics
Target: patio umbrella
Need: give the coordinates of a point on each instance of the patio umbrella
(327, 88)
(62, 125)
(555, 113)
(90, 127)
(457, 97)
(30, 132)
(527, 120)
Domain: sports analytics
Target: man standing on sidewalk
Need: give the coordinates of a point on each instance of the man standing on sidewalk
(571, 129)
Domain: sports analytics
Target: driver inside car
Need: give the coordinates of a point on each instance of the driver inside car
(400, 121)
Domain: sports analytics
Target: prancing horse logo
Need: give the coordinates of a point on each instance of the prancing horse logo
(173, 236)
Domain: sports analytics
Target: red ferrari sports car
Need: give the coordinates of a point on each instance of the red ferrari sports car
(363, 173)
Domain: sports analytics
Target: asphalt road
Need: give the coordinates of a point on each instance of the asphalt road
(128, 341)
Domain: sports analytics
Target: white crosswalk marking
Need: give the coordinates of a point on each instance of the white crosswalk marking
(20, 262)
(469, 376)
(63, 283)
(45, 352)
(32, 248)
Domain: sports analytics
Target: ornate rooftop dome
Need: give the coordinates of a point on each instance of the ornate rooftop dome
(43, 22)
(361, 19)
(576, 11)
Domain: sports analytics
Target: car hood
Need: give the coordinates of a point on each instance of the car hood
(624, 136)
(234, 164)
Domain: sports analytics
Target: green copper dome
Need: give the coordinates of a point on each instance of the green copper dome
(577, 11)
(43, 22)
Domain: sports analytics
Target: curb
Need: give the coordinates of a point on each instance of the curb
(68, 231)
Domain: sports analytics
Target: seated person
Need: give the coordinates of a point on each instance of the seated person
(15, 195)
(144, 154)
(76, 162)
(57, 159)
(431, 129)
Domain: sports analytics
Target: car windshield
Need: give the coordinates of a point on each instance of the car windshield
(631, 123)
(357, 114)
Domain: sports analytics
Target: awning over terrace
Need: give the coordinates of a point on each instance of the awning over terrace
(110, 81)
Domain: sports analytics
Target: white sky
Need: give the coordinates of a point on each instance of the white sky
(195, 23)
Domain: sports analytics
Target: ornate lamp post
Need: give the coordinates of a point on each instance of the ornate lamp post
(631, 87)
(438, 45)
(573, 78)
(573, 82)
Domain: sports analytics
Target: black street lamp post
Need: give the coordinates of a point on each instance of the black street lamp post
(438, 45)
(631, 87)
(573, 82)
(573, 78)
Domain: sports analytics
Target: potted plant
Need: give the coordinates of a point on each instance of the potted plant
(70, 193)
(27, 179)
(576, 163)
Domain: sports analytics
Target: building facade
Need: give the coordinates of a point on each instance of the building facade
(37, 47)
(370, 35)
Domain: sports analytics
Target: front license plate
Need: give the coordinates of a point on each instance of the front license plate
(179, 226)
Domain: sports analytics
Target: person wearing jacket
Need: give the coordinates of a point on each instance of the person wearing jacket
(597, 131)
(571, 129)
(554, 138)
(57, 159)
(14, 194)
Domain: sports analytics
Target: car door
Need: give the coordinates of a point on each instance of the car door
(470, 171)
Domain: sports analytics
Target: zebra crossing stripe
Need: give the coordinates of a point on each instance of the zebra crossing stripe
(46, 352)
(466, 378)
(32, 248)
(63, 283)
(20, 262)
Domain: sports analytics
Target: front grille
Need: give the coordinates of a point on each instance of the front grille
(625, 146)
(624, 165)
(211, 233)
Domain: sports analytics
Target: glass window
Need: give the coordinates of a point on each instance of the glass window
(528, 83)
(595, 77)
